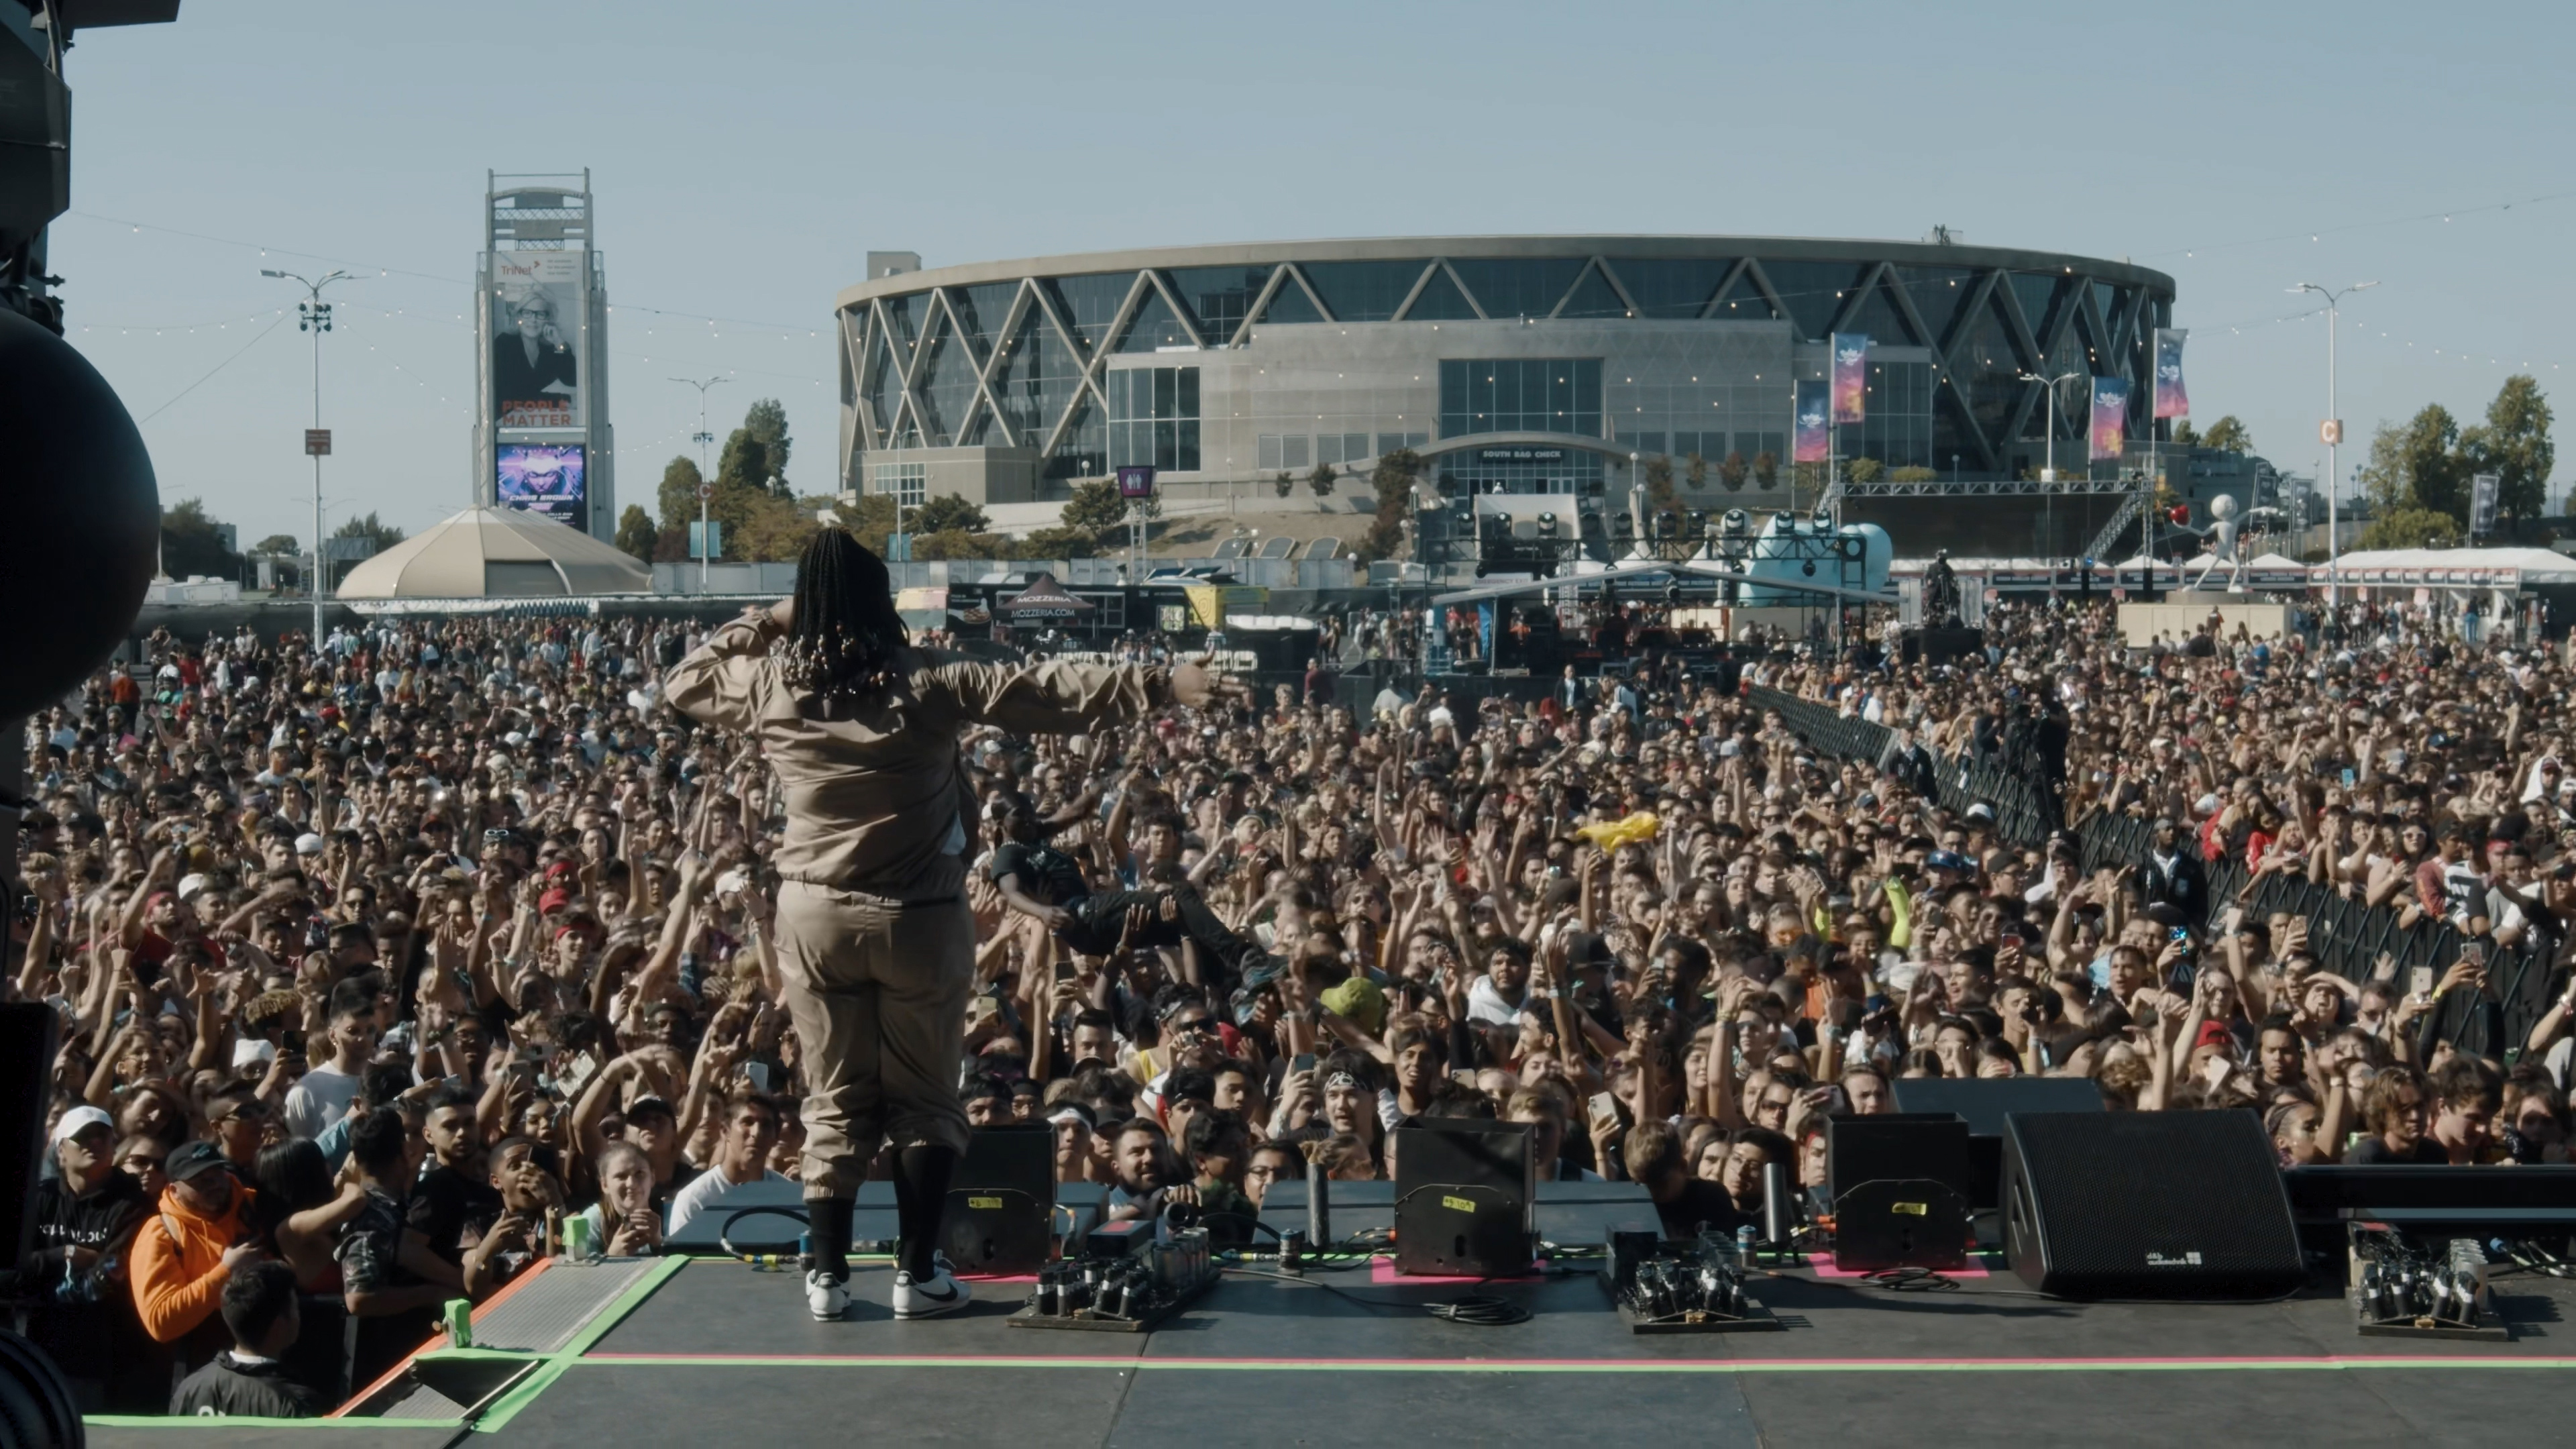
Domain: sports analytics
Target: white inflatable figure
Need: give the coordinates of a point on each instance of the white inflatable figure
(2221, 534)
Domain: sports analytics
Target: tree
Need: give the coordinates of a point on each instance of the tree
(378, 534)
(192, 543)
(1321, 480)
(870, 521)
(755, 454)
(2227, 435)
(1659, 483)
(635, 532)
(949, 511)
(677, 499)
(1284, 484)
(2184, 435)
(1393, 480)
(1913, 474)
(1059, 542)
(278, 543)
(1766, 468)
(2418, 466)
(1095, 507)
(958, 543)
(1695, 472)
(2513, 443)
(1864, 470)
(1733, 472)
(2410, 528)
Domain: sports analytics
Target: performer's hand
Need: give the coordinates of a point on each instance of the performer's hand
(1056, 917)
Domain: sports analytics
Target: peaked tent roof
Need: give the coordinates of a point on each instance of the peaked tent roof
(1044, 592)
(485, 553)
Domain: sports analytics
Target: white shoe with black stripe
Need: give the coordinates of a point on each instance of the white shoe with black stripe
(928, 1298)
(827, 1298)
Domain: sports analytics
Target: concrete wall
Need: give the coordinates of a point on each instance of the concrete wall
(2141, 623)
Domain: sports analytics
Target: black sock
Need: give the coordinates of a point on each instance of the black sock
(920, 1200)
(828, 1230)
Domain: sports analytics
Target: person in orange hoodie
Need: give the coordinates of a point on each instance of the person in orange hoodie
(185, 1254)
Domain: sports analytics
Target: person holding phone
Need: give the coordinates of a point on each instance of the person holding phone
(875, 943)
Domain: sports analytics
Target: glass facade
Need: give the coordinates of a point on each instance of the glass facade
(1966, 329)
(908, 483)
(1154, 418)
(1521, 470)
(1520, 395)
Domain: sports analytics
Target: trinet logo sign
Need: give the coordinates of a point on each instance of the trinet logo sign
(2171, 1260)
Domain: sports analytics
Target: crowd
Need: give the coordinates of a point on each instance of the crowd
(381, 964)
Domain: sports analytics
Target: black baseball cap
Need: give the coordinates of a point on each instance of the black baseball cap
(192, 1159)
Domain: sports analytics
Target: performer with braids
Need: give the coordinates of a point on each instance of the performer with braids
(875, 940)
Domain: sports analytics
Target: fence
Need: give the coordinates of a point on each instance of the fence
(2347, 936)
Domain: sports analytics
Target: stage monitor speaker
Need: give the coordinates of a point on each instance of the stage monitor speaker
(1466, 1194)
(2161, 1205)
(1897, 1145)
(1001, 1201)
(27, 1043)
(1901, 1222)
(1983, 1103)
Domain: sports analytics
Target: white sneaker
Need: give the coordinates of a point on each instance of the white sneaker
(941, 1293)
(826, 1298)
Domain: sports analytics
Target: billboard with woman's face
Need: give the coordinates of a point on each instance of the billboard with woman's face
(536, 339)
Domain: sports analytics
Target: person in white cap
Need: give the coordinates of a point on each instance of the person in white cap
(85, 1218)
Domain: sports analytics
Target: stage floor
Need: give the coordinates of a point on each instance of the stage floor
(700, 1349)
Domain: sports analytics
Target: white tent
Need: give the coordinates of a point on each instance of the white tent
(488, 553)
(2457, 567)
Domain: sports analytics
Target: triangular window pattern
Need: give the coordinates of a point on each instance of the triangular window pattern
(1594, 297)
(1518, 286)
(1290, 303)
(1363, 291)
(1670, 289)
(2037, 294)
(1218, 298)
(1440, 300)
(1814, 292)
(1878, 316)
(1154, 327)
(1937, 294)
(1744, 302)
(981, 311)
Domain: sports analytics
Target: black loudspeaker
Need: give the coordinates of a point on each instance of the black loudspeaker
(1983, 1103)
(27, 1044)
(1001, 1201)
(1465, 1197)
(2156, 1205)
(1899, 1186)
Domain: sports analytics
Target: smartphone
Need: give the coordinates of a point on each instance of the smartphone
(2215, 1070)
(1463, 1076)
(2419, 982)
(2474, 952)
(452, 1082)
(757, 1073)
(1064, 970)
(2348, 777)
(1604, 1109)
(1304, 1062)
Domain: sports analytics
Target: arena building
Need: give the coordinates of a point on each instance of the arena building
(1516, 365)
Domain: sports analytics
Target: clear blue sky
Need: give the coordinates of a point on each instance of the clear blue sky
(745, 157)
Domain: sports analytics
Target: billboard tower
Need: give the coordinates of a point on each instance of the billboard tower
(542, 443)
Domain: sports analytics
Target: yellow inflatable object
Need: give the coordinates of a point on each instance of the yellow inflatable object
(1635, 830)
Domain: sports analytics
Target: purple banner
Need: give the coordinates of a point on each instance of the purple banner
(1813, 440)
(2171, 400)
(2110, 418)
(1851, 376)
(543, 478)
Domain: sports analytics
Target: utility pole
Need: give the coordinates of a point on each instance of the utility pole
(706, 484)
(314, 315)
(2332, 432)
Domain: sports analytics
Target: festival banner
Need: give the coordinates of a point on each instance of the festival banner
(2110, 418)
(537, 318)
(1851, 376)
(1812, 441)
(2171, 400)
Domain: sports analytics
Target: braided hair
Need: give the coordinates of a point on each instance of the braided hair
(846, 642)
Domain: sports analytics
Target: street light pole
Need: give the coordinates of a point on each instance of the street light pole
(705, 486)
(2333, 431)
(314, 315)
(2048, 471)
